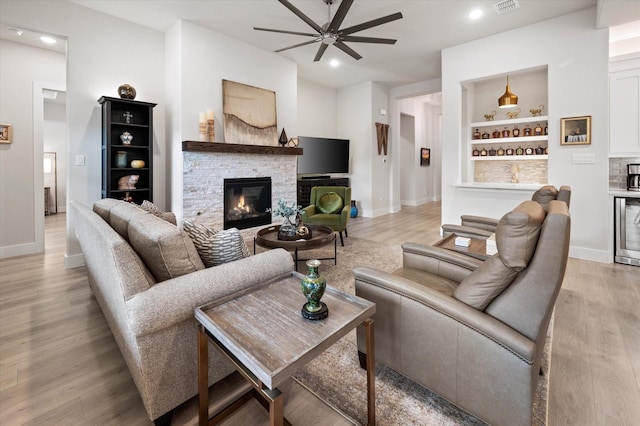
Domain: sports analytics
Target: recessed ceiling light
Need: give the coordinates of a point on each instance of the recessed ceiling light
(475, 14)
(48, 40)
(334, 63)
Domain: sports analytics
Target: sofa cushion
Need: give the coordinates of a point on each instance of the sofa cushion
(485, 283)
(103, 207)
(330, 203)
(517, 234)
(516, 238)
(167, 250)
(544, 195)
(121, 214)
(216, 247)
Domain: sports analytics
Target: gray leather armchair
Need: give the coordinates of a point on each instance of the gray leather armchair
(473, 331)
(482, 227)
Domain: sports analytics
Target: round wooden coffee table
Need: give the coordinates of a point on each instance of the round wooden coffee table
(320, 236)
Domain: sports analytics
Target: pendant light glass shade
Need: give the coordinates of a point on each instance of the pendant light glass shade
(508, 100)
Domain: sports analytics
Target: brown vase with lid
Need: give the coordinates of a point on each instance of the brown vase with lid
(496, 134)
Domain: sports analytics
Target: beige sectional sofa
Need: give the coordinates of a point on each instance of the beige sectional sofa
(147, 278)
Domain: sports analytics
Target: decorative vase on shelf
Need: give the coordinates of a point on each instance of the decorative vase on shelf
(127, 92)
(126, 138)
(354, 208)
(313, 287)
(287, 231)
(121, 159)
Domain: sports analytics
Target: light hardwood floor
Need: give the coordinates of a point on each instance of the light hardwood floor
(59, 364)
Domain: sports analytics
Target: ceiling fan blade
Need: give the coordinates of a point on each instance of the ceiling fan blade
(340, 14)
(321, 50)
(297, 45)
(285, 32)
(357, 39)
(370, 24)
(301, 15)
(346, 49)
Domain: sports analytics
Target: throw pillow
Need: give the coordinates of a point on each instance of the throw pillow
(330, 203)
(216, 247)
(151, 208)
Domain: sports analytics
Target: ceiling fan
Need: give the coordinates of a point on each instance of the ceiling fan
(331, 34)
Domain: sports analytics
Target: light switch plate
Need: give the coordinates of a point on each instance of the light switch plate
(80, 160)
(586, 158)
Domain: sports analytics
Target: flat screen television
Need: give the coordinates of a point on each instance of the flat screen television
(323, 155)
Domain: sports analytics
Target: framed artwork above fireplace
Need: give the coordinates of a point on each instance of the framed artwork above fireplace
(249, 114)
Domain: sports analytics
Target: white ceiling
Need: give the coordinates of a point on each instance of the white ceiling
(428, 26)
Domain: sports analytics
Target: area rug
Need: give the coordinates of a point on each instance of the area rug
(336, 377)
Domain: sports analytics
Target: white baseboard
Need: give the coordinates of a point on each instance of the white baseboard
(19, 250)
(73, 261)
(600, 256)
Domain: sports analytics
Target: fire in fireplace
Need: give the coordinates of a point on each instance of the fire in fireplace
(247, 202)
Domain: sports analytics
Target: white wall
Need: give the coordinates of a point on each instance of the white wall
(55, 140)
(407, 147)
(383, 180)
(355, 123)
(21, 191)
(201, 59)
(576, 55)
(103, 53)
(317, 110)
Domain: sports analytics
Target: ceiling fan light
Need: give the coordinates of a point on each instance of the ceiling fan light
(329, 38)
(508, 99)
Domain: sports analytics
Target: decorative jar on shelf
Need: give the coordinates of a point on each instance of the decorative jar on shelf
(475, 152)
(519, 150)
(492, 152)
(127, 91)
(516, 131)
(509, 151)
(137, 164)
(539, 150)
(121, 159)
(476, 134)
(483, 153)
(126, 138)
(486, 135)
(528, 151)
(537, 130)
(506, 133)
(313, 287)
(527, 130)
(500, 151)
(496, 134)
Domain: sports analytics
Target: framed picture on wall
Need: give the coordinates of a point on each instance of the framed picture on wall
(425, 156)
(575, 130)
(5, 133)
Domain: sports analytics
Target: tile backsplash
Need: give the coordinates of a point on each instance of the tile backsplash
(618, 171)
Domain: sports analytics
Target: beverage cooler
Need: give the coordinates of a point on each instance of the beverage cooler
(627, 230)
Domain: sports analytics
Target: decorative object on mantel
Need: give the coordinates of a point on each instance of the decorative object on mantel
(513, 114)
(508, 99)
(126, 138)
(128, 182)
(514, 170)
(382, 131)
(575, 130)
(249, 114)
(313, 287)
(202, 127)
(293, 142)
(283, 138)
(536, 112)
(5, 133)
(489, 117)
(126, 91)
(211, 131)
(287, 231)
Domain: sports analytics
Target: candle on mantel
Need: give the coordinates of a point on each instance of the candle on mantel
(202, 127)
(209, 114)
(202, 118)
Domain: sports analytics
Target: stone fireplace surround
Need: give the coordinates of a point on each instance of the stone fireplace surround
(207, 164)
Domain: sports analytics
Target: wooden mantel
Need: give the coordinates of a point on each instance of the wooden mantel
(234, 148)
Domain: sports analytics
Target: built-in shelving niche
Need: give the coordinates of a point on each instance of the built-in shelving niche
(480, 97)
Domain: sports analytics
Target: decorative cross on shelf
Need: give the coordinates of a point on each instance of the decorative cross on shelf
(127, 117)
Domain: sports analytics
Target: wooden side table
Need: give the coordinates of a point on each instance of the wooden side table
(262, 332)
(477, 249)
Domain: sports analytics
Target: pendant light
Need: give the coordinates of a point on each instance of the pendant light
(508, 100)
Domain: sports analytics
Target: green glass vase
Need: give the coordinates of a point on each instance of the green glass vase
(313, 287)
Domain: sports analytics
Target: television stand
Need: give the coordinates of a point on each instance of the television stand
(305, 185)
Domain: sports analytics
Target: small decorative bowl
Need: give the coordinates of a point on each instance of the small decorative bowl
(137, 164)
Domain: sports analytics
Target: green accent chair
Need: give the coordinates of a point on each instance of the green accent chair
(330, 206)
